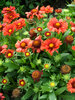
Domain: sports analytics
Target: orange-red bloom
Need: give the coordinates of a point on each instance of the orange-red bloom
(34, 12)
(69, 39)
(4, 81)
(47, 34)
(36, 44)
(27, 54)
(51, 45)
(68, 18)
(8, 9)
(22, 82)
(57, 26)
(1, 96)
(46, 9)
(73, 48)
(39, 29)
(22, 45)
(3, 49)
(9, 53)
(36, 75)
(32, 33)
(72, 26)
(9, 29)
(2, 26)
(10, 16)
(19, 23)
(59, 10)
(71, 85)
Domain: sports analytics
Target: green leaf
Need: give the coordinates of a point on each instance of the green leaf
(28, 94)
(43, 97)
(66, 33)
(68, 97)
(52, 96)
(60, 90)
(70, 63)
(35, 97)
(11, 66)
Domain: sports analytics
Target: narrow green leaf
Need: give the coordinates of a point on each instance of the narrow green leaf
(52, 96)
(60, 90)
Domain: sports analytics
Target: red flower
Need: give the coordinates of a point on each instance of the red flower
(9, 53)
(32, 33)
(22, 45)
(71, 85)
(36, 75)
(59, 10)
(73, 29)
(36, 44)
(39, 29)
(3, 49)
(27, 54)
(69, 39)
(4, 81)
(68, 18)
(19, 23)
(8, 29)
(34, 12)
(47, 34)
(51, 45)
(8, 9)
(48, 9)
(57, 26)
(10, 16)
(72, 26)
(73, 48)
(1, 96)
(22, 82)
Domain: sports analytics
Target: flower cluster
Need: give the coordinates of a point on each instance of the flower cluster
(37, 54)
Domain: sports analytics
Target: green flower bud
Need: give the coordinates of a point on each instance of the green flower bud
(38, 61)
(66, 77)
(57, 58)
(17, 33)
(35, 89)
(1, 62)
(26, 33)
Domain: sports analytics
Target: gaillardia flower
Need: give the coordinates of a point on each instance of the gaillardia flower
(4, 81)
(22, 45)
(8, 29)
(39, 29)
(47, 34)
(36, 44)
(22, 82)
(32, 33)
(1, 96)
(10, 16)
(59, 10)
(3, 49)
(71, 85)
(27, 54)
(9, 53)
(69, 39)
(8, 9)
(51, 45)
(73, 48)
(16, 93)
(65, 69)
(57, 26)
(19, 23)
(36, 75)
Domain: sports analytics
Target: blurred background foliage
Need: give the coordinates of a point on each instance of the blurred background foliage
(23, 6)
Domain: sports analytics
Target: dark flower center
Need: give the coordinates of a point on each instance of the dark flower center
(36, 43)
(73, 84)
(0, 48)
(23, 45)
(57, 25)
